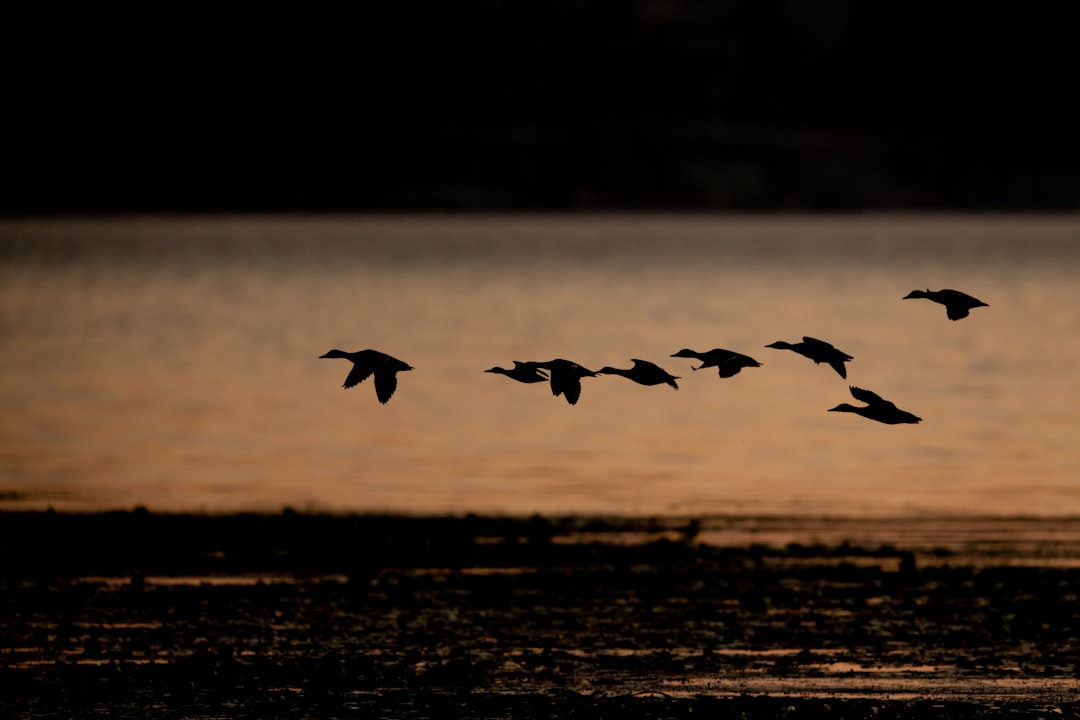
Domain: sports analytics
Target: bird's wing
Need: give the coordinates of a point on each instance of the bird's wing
(948, 294)
(648, 365)
(385, 384)
(817, 344)
(824, 349)
(955, 312)
(729, 367)
(745, 360)
(572, 390)
(558, 383)
(870, 398)
(359, 373)
(838, 365)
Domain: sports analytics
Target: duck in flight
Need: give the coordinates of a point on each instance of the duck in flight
(727, 362)
(368, 362)
(566, 378)
(643, 373)
(876, 408)
(525, 372)
(819, 351)
(957, 304)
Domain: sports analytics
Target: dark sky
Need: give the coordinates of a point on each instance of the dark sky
(487, 105)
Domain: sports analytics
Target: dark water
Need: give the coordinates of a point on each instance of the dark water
(173, 363)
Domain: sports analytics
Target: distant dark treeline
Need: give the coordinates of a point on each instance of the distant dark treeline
(569, 104)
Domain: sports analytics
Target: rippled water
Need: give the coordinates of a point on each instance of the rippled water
(173, 363)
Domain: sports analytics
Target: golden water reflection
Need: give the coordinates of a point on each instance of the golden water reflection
(174, 364)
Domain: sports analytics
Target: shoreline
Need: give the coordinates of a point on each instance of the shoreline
(539, 617)
(116, 542)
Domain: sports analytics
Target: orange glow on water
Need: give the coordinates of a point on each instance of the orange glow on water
(174, 364)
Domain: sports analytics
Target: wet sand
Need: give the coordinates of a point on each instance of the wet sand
(298, 615)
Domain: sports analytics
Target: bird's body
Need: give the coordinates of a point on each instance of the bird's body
(819, 351)
(525, 372)
(727, 362)
(957, 304)
(643, 373)
(566, 378)
(372, 362)
(876, 408)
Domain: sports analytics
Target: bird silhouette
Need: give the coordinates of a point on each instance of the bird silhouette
(525, 372)
(643, 373)
(366, 362)
(819, 351)
(727, 362)
(957, 304)
(566, 378)
(876, 408)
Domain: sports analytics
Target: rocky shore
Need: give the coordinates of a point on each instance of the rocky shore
(135, 614)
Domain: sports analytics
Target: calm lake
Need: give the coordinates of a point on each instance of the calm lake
(173, 363)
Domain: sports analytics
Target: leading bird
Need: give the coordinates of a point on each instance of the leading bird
(957, 304)
(369, 362)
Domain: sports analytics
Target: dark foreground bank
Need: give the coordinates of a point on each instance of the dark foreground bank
(296, 615)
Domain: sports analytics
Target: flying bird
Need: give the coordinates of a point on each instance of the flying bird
(876, 408)
(367, 362)
(727, 362)
(957, 304)
(819, 351)
(525, 372)
(643, 373)
(566, 378)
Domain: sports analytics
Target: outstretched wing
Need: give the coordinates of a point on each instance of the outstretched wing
(385, 384)
(730, 367)
(816, 345)
(558, 383)
(870, 398)
(745, 360)
(359, 373)
(957, 304)
(529, 370)
(729, 363)
(570, 388)
(955, 312)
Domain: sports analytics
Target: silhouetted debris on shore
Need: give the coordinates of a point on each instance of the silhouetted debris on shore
(527, 617)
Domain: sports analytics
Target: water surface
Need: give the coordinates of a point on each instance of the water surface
(173, 363)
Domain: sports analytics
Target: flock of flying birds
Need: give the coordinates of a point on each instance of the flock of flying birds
(565, 375)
